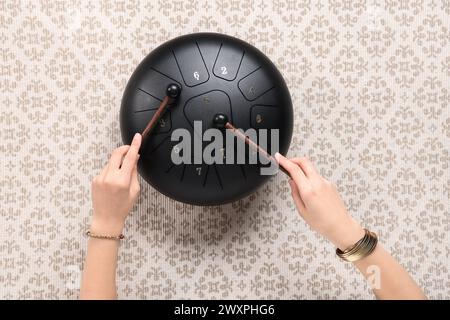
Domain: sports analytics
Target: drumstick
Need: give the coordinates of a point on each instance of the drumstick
(221, 120)
(172, 92)
(153, 121)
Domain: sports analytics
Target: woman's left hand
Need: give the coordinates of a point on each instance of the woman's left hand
(115, 189)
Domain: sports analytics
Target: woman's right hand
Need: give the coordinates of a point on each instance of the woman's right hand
(319, 203)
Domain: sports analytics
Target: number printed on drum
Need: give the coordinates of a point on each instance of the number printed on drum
(196, 75)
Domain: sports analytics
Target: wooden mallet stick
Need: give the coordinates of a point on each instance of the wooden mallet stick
(221, 121)
(172, 92)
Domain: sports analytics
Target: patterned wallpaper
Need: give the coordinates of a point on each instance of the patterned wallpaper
(370, 82)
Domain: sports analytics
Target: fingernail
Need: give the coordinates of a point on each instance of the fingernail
(136, 138)
(277, 156)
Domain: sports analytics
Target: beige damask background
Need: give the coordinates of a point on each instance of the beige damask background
(370, 81)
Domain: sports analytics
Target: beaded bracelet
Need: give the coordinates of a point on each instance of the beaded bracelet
(101, 236)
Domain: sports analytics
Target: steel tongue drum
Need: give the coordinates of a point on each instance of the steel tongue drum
(194, 90)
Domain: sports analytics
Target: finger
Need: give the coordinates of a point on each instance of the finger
(307, 166)
(297, 198)
(134, 175)
(132, 155)
(116, 157)
(294, 170)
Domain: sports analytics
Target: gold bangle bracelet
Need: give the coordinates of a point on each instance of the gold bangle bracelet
(361, 249)
(101, 236)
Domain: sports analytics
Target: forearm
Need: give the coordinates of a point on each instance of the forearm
(388, 279)
(393, 282)
(99, 275)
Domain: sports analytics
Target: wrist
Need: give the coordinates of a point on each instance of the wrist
(107, 225)
(346, 234)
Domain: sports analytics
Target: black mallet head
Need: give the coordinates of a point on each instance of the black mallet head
(220, 120)
(173, 90)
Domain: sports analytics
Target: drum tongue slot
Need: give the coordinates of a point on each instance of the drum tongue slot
(172, 92)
